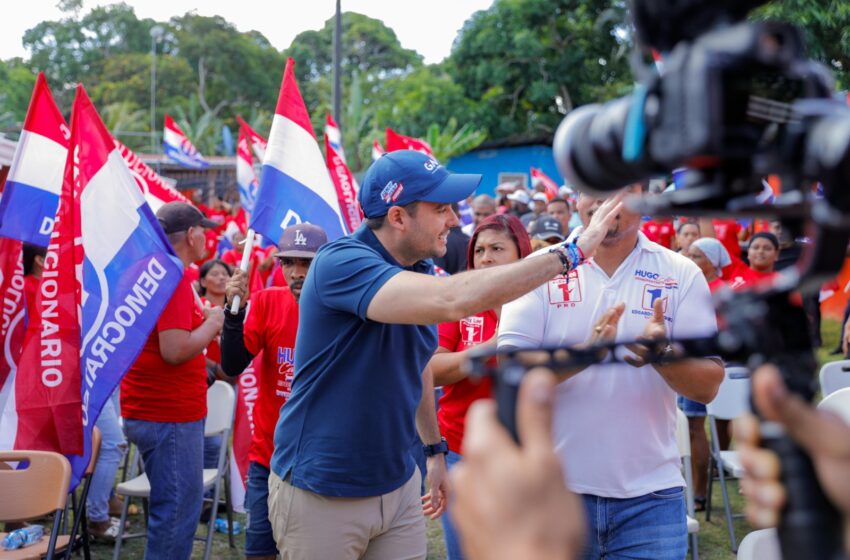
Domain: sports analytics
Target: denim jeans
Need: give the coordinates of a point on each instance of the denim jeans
(653, 526)
(112, 448)
(173, 457)
(259, 540)
(450, 534)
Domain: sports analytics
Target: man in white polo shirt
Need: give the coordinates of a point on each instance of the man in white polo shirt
(615, 424)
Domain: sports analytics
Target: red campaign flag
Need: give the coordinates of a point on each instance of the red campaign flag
(343, 180)
(243, 430)
(12, 328)
(47, 385)
(257, 142)
(550, 187)
(157, 192)
(396, 141)
(377, 150)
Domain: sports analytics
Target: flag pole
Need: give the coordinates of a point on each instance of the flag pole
(243, 266)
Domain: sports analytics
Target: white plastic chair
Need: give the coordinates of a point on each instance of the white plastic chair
(760, 545)
(838, 402)
(732, 400)
(834, 376)
(221, 406)
(683, 439)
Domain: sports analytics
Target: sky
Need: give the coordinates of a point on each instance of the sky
(428, 29)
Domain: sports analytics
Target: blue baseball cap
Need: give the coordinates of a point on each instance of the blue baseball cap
(404, 176)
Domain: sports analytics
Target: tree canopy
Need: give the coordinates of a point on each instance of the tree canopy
(515, 69)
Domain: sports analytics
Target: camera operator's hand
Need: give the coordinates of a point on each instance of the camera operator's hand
(511, 502)
(601, 221)
(824, 436)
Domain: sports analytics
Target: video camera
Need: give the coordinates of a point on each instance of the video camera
(735, 102)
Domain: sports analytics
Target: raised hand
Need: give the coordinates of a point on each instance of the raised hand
(601, 221)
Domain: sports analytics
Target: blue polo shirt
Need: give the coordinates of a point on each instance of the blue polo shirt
(349, 424)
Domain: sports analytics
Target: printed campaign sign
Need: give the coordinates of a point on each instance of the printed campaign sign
(155, 190)
(12, 327)
(344, 183)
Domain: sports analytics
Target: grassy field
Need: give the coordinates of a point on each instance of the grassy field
(713, 536)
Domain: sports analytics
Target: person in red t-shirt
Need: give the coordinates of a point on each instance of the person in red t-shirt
(270, 328)
(762, 254)
(498, 239)
(163, 396)
(660, 231)
(727, 232)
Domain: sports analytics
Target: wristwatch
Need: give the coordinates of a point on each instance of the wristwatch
(435, 448)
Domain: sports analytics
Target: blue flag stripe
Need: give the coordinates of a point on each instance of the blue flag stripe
(279, 194)
(27, 213)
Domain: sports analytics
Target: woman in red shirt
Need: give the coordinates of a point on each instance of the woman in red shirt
(762, 254)
(498, 239)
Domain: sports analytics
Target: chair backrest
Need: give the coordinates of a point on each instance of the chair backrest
(834, 376)
(221, 405)
(733, 397)
(96, 439)
(837, 402)
(38, 489)
(760, 545)
(683, 435)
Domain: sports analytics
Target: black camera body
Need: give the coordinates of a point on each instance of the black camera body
(724, 108)
(734, 103)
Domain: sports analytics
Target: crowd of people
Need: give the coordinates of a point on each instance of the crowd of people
(350, 450)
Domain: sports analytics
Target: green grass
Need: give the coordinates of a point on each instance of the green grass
(713, 536)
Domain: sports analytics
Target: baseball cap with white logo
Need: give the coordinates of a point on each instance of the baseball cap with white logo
(301, 241)
(404, 176)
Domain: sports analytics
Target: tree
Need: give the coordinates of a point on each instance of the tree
(233, 70)
(529, 61)
(369, 48)
(826, 26)
(75, 49)
(449, 141)
(18, 82)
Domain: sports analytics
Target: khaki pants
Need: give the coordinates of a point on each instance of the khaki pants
(310, 526)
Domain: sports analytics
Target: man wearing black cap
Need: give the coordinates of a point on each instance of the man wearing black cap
(343, 482)
(164, 396)
(270, 328)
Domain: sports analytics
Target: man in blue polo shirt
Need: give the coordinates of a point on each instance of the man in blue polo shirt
(343, 482)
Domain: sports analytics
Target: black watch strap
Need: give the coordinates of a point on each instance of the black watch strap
(436, 448)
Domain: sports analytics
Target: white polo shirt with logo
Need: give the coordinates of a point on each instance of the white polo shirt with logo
(614, 424)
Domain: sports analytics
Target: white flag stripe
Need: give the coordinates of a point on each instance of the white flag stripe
(295, 152)
(44, 164)
(107, 222)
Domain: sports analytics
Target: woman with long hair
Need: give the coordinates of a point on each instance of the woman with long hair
(498, 240)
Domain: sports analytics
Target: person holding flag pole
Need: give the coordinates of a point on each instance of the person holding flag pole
(268, 330)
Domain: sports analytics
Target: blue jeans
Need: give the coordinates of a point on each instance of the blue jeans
(173, 456)
(450, 534)
(259, 539)
(112, 448)
(651, 527)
